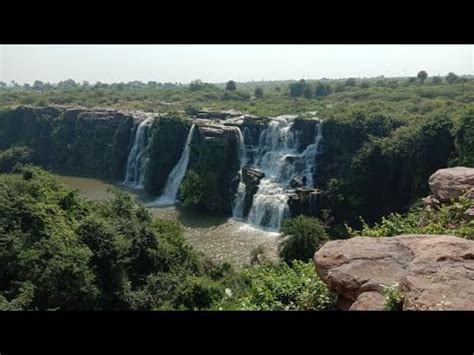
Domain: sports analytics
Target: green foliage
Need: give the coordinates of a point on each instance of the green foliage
(298, 88)
(213, 164)
(39, 246)
(322, 89)
(231, 86)
(13, 156)
(452, 78)
(422, 76)
(258, 93)
(393, 298)
(448, 219)
(351, 82)
(302, 236)
(465, 139)
(277, 287)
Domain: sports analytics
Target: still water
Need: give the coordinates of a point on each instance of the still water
(222, 239)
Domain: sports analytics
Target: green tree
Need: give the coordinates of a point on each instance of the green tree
(351, 82)
(231, 85)
(322, 89)
(422, 76)
(436, 80)
(452, 78)
(302, 236)
(195, 85)
(258, 93)
(308, 93)
(298, 88)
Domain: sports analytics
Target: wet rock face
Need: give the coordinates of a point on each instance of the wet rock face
(306, 129)
(304, 200)
(433, 271)
(297, 182)
(451, 183)
(251, 178)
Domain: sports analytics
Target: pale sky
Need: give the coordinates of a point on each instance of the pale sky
(219, 63)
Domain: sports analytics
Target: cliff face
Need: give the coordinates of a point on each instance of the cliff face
(100, 143)
(210, 183)
(76, 140)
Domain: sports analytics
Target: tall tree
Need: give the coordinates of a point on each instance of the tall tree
(452, 78)
(231, 85)
(258, 93)
(422, 76)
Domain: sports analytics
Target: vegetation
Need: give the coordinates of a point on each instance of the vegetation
(60, 252)
(448, 218)
(213, 163)
(383, 138)
(393, 298)
(302, 236)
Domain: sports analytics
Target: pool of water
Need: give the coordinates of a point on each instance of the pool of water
(222, 239)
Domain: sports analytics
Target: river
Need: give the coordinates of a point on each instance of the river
(222, 239)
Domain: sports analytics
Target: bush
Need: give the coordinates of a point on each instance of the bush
(302, 236)
(13, 156)
(465, 139)
(277, 288)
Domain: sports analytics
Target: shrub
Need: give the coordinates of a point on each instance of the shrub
(278, 287)
(302, 236)
(13, 156)
(393, 297)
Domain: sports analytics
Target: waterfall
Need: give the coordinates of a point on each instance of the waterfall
(177, 174)
(309, 155)
(137, 160)
(277, 156)
(239, 198)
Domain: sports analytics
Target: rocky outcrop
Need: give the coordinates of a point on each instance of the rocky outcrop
(217, 115)
(433, 271)
(451, 183)
(214, 158)
(297, 182)
(304, 200)
(251, 177)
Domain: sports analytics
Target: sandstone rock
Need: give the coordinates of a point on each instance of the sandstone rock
(451, 183)
(433, 271)
(369, 301)
(430, 201)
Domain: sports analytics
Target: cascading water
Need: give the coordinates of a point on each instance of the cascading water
(137, 160)
(177, 174)
(238, 202)
(277, 156)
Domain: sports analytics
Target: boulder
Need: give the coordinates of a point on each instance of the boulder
(451, 183)
(433, 271)
(251, 178)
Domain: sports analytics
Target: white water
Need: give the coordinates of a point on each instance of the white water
(278, 158)
(239, 198)
(137, 160)
(176, 176)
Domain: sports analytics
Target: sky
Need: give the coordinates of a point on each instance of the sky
(219, 63)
